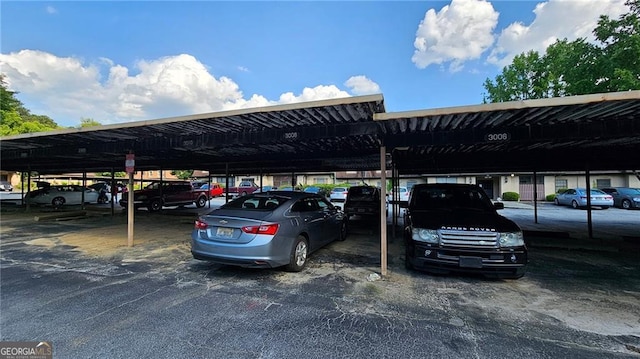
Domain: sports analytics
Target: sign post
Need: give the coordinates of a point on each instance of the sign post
(129, 165)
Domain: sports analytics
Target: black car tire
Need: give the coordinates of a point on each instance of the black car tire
(155, 205)
(343, 231)
(201, 202)
(298, 256)
(555, 200)
(57, 202)
(626, 204)
(574, 204)
(604, 207)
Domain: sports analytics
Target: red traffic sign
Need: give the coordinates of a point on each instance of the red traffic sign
(129, 163)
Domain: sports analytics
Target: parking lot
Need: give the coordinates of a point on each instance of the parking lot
(76, 284)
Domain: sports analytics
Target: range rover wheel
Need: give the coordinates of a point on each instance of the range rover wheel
(298, 257)
(155, 205)
(202, 200)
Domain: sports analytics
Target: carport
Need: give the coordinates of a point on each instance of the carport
(578, 133)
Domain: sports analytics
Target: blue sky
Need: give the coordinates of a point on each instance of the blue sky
(122, 61)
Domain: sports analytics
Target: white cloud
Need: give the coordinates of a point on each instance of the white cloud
(361, 85)
(458, 32)
(51, 10)
(555, 19)
(66, 89)
(243, 69)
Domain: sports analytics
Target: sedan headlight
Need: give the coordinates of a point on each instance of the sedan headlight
(511, 239)
(425, 235)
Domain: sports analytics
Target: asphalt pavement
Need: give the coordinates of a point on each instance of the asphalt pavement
(155, 301)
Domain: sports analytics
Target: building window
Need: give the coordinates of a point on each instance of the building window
(603, 183)
(561, 184)
(320, 180)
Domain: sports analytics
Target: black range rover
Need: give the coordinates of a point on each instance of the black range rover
(455, 227)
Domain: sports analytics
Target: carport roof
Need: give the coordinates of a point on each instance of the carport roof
(597, 132)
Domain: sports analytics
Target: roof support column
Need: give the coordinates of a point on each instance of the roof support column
(588, 189)
(226, 182)
(84, 185)
(535, 197)
(383, 211)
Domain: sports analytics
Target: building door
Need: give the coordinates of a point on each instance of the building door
(487, 186)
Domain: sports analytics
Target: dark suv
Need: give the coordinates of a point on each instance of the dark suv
(455, 227)
(363, 201)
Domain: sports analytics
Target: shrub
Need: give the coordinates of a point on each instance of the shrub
(510, 196)
(550, 197)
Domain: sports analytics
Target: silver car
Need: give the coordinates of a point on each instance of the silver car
(577, 198)
(268, 230)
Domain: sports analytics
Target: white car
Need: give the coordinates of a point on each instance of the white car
(60, 195)
(338, 194)
(403, 194)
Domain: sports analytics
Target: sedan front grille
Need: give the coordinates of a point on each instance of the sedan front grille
(476, 239)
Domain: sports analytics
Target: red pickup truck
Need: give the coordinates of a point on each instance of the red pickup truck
(245, 187)
(159, 194)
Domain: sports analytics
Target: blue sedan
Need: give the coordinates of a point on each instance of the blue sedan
(577, 198)
(268, 230)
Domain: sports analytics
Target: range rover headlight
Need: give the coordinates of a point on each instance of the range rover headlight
(511, 239)
(424, 235)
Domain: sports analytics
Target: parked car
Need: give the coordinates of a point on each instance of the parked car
(577, 198)
(104, 191)
(215, 189)
(363, 201)
(244, 188)
(59, 195)
(316, 190)
(267, 230)
(6, 186)
(338, 194)
(624, 197)
(456, 228)
(159, 194)
(403, 194)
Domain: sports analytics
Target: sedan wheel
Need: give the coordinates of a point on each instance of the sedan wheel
(299, 252)
(574, 204)
(626, 204)
(556, 201)
(57, 202)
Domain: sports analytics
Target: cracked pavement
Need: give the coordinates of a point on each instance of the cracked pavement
(68, 283)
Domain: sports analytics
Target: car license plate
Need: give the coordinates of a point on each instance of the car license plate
(470, 262)
(224, 232)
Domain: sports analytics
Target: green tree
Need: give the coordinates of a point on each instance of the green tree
(576, 67)
(88, 122)
(621, 49)
(16, 119)
(184, 175)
